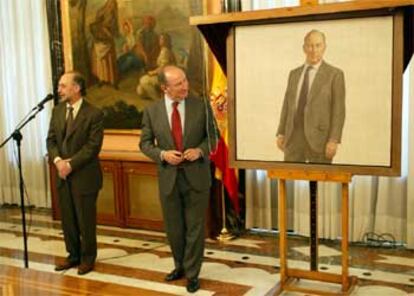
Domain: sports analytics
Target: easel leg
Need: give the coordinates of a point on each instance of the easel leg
(282, 232)
(345, 238)
(313, 188)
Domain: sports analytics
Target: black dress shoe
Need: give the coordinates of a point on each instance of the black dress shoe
(66, 265)
(84, 268)
(193, 285)
(174, 275)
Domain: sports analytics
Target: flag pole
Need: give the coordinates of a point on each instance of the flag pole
(224, 235)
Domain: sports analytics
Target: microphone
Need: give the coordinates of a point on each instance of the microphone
(42, 102)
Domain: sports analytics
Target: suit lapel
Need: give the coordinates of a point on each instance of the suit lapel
(78, 119)
(61, 115)
(317, 81)
(189, 117)
(164, 121)
(295, 85)
(296, 79)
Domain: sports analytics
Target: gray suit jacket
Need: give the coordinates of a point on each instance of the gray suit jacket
(198, 129)
(84, 143)
(325, 108)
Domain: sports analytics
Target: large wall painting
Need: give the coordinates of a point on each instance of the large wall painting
(120, 46)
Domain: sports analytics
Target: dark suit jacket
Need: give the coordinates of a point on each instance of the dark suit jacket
(325, 107)
(156, 136)
(83, 144)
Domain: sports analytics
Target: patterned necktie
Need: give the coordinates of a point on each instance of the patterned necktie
(176, 128)
(303, 96)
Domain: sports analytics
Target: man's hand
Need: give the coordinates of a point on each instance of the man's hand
(280, 142)
(63, 167)
(330, 149)
(192, 154)
(173, 157)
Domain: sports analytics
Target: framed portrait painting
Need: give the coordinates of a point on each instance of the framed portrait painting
(318, 93)
(120, 46)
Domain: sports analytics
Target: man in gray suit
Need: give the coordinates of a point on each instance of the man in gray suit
(313, 112)
(176, 135)
(73, 144)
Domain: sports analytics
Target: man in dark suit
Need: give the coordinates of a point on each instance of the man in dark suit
(180, 146)
(73, 143)
(313, 112)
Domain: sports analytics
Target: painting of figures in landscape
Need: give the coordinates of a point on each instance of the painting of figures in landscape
(121, 45)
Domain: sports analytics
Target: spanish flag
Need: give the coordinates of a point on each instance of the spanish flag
(220, 156)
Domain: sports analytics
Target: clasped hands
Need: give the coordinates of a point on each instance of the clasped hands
(330, 148)
(63, 168)
(175, 157)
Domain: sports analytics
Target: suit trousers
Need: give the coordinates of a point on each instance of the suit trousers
(298, 149)
(78, 212)
(184, 211)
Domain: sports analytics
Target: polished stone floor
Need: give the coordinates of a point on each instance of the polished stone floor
(135, 262)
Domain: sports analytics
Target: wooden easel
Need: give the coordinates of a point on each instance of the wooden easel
(290, 276)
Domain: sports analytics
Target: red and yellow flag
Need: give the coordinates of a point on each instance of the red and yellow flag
(220, 157)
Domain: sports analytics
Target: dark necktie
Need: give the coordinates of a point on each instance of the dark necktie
(303, 96)
(68, 127)
(69, 121)
(176, 128)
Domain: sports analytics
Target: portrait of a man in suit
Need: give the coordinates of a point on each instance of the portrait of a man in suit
(313, 112)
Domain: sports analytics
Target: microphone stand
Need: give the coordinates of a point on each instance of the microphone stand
(17, 136)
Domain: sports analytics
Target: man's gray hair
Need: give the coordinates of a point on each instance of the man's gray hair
(80, 80)
(162, 78)
(314, 31)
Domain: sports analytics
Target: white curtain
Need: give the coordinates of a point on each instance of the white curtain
(377, 204)
(25, 79)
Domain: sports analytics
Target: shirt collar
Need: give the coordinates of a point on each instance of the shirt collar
(169, 101)
(76, 106)
(316, 66)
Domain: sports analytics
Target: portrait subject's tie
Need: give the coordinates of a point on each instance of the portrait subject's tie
(176, 128)
(303, 97)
